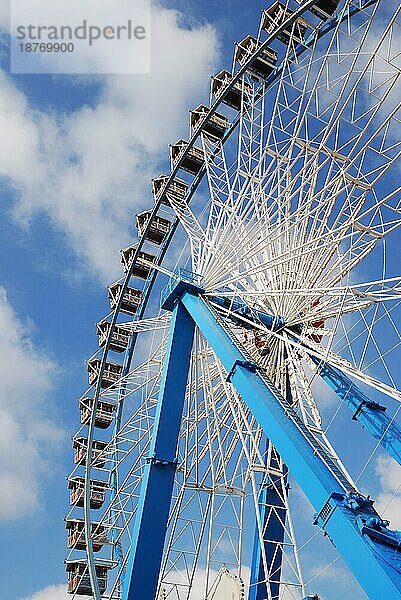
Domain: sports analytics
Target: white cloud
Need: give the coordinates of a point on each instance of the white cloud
(52, 592)
(388, 502)
(199, 582)
(59, 592)
(89, 171)
(4, 15)
(27, 433)
(326, 397)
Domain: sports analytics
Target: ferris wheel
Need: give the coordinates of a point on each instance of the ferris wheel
(264, 275)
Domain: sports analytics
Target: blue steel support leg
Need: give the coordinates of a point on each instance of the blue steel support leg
(372, 551)
(273, 534)
(273, 528)
(369, 413)
(149, 530)
(257, 587)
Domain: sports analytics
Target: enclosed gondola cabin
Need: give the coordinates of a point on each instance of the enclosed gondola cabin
(158, 229)
(76, 535)
(142, 267)
(76, 485)
(177, 190)
(275, 15)
(104, 413)
(119, 338)
(194, 159)
(317, 326)
(263, 65)
(233, 98)
(261, 341)
(111, 374)
(99, 457)
(215, 127)
(325, 8)
(130, 301)
(79, 580)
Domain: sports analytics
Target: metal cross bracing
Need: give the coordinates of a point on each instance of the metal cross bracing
(275, 547)
(308, 212)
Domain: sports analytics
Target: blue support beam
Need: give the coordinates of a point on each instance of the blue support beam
(239, 309)
(370, 414)
(257, 585)
(273, 528)
(273, 539)
(372, 551)
(310, 471)
(151, 517)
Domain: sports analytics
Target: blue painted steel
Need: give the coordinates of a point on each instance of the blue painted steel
(150, 524)
(273, 537)
(231, 354)
(237, 306)
(256, 583)
(182, 280)
(273, 528)
(369, 413)
(372, 551)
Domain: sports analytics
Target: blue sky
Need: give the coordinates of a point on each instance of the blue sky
(76, 157)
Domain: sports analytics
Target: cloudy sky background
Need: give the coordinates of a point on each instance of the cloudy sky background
(76, 157)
